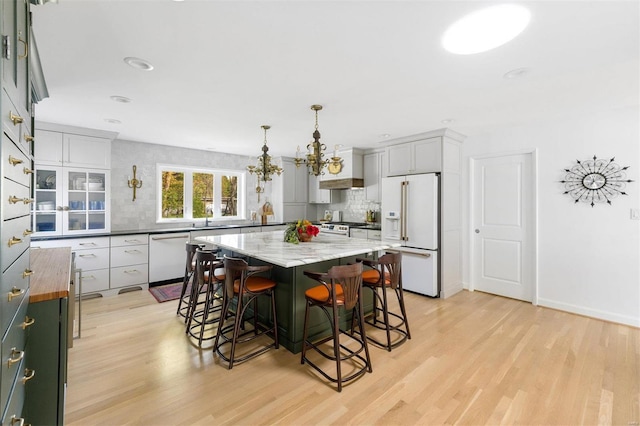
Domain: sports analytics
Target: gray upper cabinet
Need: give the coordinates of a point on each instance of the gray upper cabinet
(423, 156)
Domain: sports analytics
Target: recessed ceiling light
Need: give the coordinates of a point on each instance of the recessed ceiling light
(517, 73)
(448, 121)
(486, 29)
(385, 135)
(138, 63)
(112, 121)
(121, 99)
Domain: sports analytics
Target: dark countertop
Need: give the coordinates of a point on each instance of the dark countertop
(153, 231)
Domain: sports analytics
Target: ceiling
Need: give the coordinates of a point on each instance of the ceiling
(224, 68)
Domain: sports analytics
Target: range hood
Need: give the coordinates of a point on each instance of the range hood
(351, 175)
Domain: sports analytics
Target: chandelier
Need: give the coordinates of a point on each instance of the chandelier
(264, 170)
(314, 159)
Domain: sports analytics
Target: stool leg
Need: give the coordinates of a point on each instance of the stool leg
(400, 295)
(336, 345)
(385, 313)
(304, 333)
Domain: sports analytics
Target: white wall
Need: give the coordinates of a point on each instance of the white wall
(141, 214)
(588, 258)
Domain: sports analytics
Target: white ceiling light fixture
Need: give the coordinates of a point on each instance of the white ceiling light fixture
(486, 29)
(121, 99)
(112, 121)
(516, 73)
(138, 63)
(448, 121)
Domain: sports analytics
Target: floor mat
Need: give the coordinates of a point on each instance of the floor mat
(168, 292)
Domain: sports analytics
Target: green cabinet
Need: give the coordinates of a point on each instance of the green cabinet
(47, 354)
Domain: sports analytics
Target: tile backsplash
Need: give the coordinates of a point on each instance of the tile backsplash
(354, 205)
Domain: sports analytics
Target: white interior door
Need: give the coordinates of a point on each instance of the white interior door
(503, 211)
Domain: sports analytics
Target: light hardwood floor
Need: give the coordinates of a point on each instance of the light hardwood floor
(473, 359)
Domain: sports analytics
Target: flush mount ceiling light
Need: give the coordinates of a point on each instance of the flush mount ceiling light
(121, 99)
(447, 121)
(486, 29)
(112, 121)
(138, 63)
(517, 73)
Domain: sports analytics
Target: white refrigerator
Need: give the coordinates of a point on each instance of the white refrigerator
(410, 206)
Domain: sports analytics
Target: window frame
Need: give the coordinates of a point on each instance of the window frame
(188, 193)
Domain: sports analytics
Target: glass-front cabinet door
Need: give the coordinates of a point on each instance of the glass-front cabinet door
(71, 201)
(48, 206)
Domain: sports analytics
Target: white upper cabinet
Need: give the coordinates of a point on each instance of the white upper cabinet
(72, 150)
(317, 195)
(295, 186)
(374, 165)
(422, 156)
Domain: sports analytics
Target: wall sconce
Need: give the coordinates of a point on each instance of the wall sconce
(134, 183)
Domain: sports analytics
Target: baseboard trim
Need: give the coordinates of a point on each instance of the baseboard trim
(592, 313)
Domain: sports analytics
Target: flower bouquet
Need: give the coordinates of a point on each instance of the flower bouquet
(300, 231)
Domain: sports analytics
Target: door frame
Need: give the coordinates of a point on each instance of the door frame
(533, 152)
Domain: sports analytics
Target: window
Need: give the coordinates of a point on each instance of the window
(190, 193)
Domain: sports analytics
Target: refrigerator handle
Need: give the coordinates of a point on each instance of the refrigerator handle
(403, 211)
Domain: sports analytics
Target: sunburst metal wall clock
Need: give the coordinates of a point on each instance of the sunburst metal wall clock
(595, 181)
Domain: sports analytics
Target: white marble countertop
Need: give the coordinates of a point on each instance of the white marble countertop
(270, 247)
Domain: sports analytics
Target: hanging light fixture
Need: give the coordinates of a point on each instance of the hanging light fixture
(264, 170)
(315, 153)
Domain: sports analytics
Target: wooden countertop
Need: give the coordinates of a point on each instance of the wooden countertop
(51, 274)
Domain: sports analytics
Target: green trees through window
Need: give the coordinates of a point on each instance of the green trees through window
(198, 194)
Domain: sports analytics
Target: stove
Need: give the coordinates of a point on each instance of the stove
(339, 228)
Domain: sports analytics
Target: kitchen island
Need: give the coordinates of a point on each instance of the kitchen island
(289, 261)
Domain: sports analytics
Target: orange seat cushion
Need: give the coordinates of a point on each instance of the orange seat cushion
(371, 276)
(255, 284)
(320, 294)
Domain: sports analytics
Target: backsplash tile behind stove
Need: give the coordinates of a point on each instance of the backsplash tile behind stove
(354, 206)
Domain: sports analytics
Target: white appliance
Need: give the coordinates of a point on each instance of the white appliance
(410, 206)
(335, 229)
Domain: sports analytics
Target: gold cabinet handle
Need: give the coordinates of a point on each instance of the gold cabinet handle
(27, 200)
(15, 161)
(15, 292)
(13, 241)
(28, 138)
(28, 322)
(132, 251)
(27, 232)
(13, 199)
(27, 171)
(27, 273)
(16, 356)
(16, 119)
(132, 271)
(28, 375)
(87, 255)
(17, 420)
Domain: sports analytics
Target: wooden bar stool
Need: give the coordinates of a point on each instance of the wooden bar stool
(243, 286)
(208, 279)
(386, 273)
(341, 287)
(189, 268)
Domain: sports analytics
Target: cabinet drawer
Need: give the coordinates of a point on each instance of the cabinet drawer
(129, 240)
(358, 233)
(74, 243)
(15, 164)
(13, 353)
(16, 396)
(92, 281)
(16, 237)
(8, 126)
(133, 255)
(21, 204)
(374, 235)
(14, 287)
(129, 275)
(91, 259)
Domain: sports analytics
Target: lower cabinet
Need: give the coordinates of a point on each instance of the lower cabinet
(46, 354)
(129, 260)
